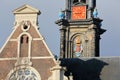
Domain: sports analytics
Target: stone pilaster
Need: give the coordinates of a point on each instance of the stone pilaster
(58, 73)
(62, 27)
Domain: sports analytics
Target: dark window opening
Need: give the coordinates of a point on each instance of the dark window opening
(25, 27)
(24, 46)
(24, 39)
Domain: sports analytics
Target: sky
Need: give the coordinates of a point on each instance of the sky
(108, 10)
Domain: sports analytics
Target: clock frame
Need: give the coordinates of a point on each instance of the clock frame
(78, 12)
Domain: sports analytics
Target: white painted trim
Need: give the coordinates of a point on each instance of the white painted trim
(18, 48)
(3, 59)
(13, 40)
(30, 48)
(37, 39)
(46, 57)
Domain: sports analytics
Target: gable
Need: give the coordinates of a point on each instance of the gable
(26, 9)
(38, 46)
(26, 48)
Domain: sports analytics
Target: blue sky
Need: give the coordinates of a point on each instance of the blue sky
(108, 11)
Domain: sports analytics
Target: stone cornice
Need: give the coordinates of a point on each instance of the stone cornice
(85, 22)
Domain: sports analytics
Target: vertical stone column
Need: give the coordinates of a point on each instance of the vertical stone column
(62, 41)
(63, 23)
(67, 10)
(57, 73)
(91, 3)
(93, 46)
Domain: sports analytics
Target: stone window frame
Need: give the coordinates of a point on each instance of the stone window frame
(27, 24)
(29, 42)
(16, 69)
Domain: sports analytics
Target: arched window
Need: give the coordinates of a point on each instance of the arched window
(24, 39)
(77, 46)
(24, 45)
(24, 74)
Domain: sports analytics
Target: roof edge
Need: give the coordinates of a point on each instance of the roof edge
(17, 11)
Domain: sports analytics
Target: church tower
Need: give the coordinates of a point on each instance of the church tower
(80, 29)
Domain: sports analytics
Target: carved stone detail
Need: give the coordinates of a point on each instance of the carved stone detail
(23, 61)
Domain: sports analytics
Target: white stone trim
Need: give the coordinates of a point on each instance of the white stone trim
(3, 59)
(35, 39)
(15, 58)
(18, 48)
(18, 10)
(13, 40)
(46, 57)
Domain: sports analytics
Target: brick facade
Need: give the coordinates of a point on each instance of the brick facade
(29, 51)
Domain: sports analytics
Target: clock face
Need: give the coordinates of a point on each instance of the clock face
(78, 12)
